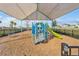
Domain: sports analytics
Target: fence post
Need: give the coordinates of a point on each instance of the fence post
(78, 51)
(69, 51)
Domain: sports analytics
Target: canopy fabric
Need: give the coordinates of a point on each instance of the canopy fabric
(19, 11)
(56, 10)
(51, 10)
(37, 16)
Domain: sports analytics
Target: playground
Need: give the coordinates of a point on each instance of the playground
(21, 44)
(39, 30)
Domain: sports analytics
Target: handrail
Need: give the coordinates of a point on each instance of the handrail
(66, 49)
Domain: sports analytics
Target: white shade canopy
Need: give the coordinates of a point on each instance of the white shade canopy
(52, 10)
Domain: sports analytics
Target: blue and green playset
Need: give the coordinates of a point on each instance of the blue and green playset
(41, 31)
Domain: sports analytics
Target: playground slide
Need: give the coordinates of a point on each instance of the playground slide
(54, 33)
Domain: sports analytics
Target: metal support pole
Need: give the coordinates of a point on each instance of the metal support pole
(21, 25)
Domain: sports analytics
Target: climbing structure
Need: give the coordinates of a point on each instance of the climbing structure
(40, 32)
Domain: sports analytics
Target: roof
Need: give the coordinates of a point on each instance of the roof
(51, 10)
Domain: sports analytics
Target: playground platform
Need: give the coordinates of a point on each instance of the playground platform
(20, 44)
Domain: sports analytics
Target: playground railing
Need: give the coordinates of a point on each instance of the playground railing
(66, 50)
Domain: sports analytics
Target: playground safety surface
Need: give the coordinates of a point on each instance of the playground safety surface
(20, 44)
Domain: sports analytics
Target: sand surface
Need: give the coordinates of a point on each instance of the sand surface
(20, 44)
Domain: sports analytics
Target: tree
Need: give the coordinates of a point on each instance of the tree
(0, 21)
(12, 24)
(54, 23)
(68, 25)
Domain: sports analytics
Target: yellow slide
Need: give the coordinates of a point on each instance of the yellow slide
(54, 33)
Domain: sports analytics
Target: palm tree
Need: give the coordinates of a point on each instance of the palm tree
(54, 23)
(12, 24)
(0, 22)
(68, 25)
(2, 29)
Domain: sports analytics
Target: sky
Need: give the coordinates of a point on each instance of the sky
(6, 21)
(69, 18)
(44, 21)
